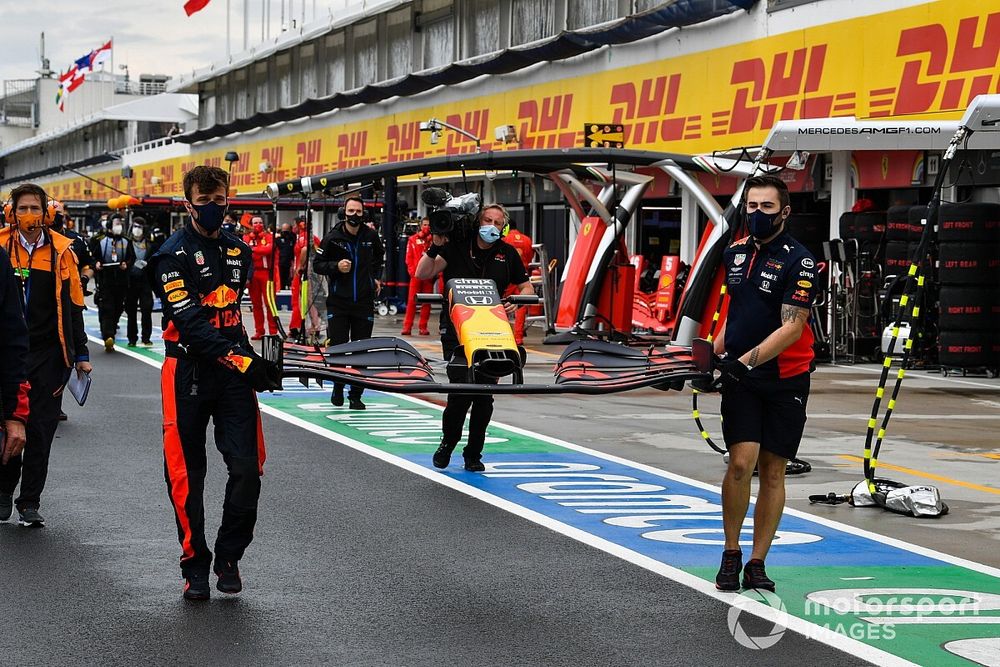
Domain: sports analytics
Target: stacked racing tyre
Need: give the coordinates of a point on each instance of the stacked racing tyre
(969, 275)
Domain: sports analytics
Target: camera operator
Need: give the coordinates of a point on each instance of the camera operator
(484, 255)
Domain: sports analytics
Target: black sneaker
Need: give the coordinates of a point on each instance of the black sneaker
(337, 398)
(6, 505)
(229, 577)
(728, 578)
(442, 457)
(30, 517)
(356, 404)
(754, 576)
(196, 586)
(474, 465)
(63, 416)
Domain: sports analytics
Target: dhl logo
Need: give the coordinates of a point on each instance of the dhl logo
(477, 122)
(352, 147)
(943, 72)
(547, 125)
(651, 107)
(220, 297)
(785, 87)
(404, 142)
(308, 156)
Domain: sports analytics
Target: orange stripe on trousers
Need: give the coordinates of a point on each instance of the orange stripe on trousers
(173, 453)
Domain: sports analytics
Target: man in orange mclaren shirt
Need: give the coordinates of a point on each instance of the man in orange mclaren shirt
(52, 301)
(210, 372)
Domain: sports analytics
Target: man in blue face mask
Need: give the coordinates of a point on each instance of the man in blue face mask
(484, 256)
(767, 348)
(210, 372)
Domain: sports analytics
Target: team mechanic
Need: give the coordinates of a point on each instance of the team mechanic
(210, 371)
(768, 353)
(485, 256)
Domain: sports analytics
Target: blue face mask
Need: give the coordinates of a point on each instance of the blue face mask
(763, 225)
(489, 234)
(210, 216)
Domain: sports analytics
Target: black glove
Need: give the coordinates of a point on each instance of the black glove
(704, 385)
(263, 375)
(732, 370)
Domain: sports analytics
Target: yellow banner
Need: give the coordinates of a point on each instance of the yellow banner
(926, 61)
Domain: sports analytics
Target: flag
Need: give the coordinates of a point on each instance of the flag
(74, 77)
(68, 82)
(192, 6)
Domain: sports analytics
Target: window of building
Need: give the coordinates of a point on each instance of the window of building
(206, 105)
(333, 63)
(308, 81)
(286, 90)
(260, 101)
(531, 20)
(584, 13)
(364, 54)
(437, 30)
(241, 93)
(400, 43)
(481, 27)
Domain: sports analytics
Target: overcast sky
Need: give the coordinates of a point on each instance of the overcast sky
(150, 36)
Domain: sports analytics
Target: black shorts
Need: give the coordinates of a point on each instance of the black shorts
(771, 412)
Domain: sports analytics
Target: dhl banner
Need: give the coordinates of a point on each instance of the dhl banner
(921, 62)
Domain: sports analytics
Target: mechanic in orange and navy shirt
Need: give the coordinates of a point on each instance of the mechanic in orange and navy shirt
(210, 372)
(768, 352)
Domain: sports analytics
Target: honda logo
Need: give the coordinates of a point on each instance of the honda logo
(479, 300)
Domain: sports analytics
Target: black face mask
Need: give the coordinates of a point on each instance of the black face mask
(354, 220)
(210, 216)
(763, 225)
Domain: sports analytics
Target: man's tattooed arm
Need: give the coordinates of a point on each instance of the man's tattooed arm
(754, 353)
(792, 313)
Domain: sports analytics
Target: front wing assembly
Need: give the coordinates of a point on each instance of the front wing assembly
(585, 367)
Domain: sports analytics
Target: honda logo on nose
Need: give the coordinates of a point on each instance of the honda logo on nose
(479, 300)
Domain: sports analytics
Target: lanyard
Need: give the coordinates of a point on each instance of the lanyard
(23, 272)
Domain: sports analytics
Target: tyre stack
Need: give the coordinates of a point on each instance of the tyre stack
(969, 274)
(903, 227)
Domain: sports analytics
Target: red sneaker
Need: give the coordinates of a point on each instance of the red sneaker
(406, 332)
(256, 336)
(425, 332)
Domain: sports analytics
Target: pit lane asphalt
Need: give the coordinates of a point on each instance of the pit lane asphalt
(355, 562)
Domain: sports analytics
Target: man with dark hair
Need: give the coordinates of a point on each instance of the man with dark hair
(139, 297)
(52, 301)
(484, 256)
(210, 372)
(113, 255)
(352, 257)
(767, 351)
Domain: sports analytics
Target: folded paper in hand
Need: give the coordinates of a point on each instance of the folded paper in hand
(79, 386)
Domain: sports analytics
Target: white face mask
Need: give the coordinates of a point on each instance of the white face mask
(137, 232)
(116, 230)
